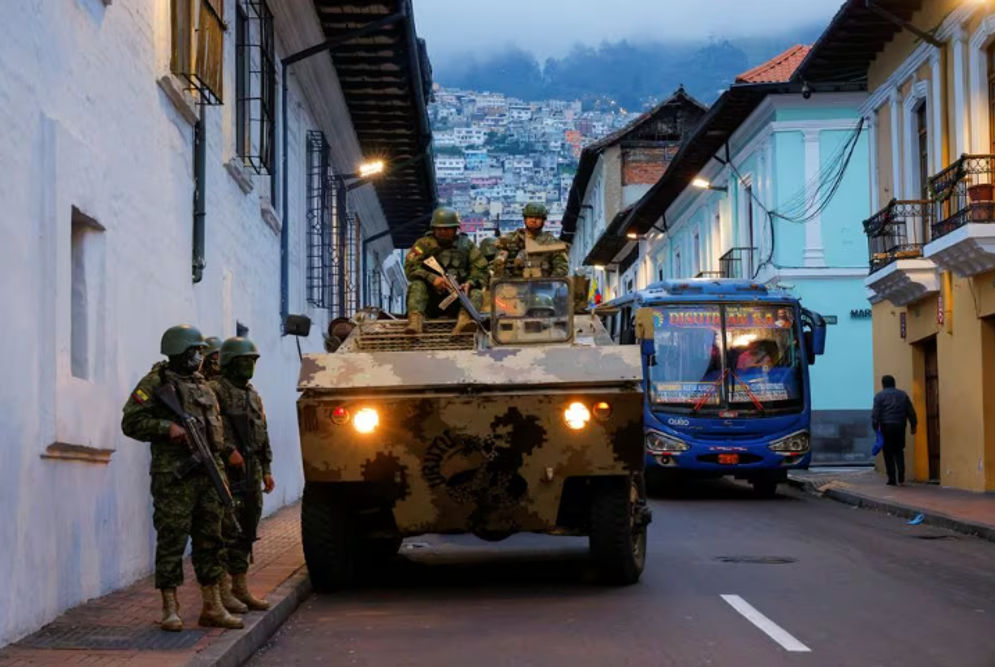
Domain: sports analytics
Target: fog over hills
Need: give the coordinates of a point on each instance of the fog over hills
(632, 74)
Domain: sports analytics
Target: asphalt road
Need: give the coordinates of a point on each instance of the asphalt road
(832, 586)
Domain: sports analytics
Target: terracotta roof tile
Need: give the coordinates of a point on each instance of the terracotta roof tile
(778, 69)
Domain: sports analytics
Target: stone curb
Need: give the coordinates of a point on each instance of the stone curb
(938, 519)
(236, 646)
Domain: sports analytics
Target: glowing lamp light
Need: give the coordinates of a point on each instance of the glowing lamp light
(577, 415)
(599, 267)
(371, 168)
(366, 420)
(602, 410)
(632, 236)
(701, 183)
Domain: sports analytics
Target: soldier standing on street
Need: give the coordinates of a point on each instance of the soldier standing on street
(458, 255)
(512, 259)
(248, 467)
(210, 369)
(186, 507)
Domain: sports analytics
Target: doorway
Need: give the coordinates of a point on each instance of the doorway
(932, 395)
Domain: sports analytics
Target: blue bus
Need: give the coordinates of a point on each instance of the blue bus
(726, 382)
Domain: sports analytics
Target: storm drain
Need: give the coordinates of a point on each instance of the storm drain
(758, 560)
(109, 638)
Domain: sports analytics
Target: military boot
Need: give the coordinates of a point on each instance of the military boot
(240, 589)
(171, 621)
(415, 323)
(213, 614)
(464, 323)
(230, 601)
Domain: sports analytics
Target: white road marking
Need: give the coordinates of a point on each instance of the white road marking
(770, 628)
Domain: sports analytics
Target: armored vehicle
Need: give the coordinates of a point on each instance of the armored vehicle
(534, 425)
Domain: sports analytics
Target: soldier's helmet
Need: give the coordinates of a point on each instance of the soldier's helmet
(534, 210)
(237, 347)
(445, 217)
(177, 340)
(541, 306)
(213, 345)
(488, 248)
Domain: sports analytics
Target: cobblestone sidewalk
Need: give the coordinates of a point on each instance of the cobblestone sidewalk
(122, 628)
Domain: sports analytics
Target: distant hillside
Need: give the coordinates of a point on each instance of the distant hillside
(632, 74)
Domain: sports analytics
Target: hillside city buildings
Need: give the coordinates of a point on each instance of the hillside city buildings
(494, 154)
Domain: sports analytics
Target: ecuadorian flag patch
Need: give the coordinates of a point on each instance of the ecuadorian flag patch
(140, 396)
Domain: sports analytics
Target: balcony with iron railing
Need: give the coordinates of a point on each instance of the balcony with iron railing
(895, 239)
(897, 232)
(737, 263)
(963, 234)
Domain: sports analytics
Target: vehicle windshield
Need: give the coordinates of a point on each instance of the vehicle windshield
(531, 311)
(726, 357)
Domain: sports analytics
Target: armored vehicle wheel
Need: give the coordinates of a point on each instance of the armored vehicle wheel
(618, 530)
(379, 548)
(328, 540)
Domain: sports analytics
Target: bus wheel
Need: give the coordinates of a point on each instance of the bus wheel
(618, 530)
(765, 488)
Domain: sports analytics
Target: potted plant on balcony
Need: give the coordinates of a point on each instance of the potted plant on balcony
(981, 195)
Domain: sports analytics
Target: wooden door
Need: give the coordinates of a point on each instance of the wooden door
(932, 408)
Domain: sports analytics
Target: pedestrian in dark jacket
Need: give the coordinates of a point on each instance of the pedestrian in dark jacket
(892, 408)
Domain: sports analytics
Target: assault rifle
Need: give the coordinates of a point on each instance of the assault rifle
(201, 452)
(455, 292)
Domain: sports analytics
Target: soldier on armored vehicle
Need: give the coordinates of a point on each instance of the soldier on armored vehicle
(457, 255)
(530, 252)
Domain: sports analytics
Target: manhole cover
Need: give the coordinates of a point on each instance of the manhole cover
(762, 560)
(109, 638)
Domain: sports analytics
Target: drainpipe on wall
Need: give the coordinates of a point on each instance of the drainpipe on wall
(199, 200)
(947, 295)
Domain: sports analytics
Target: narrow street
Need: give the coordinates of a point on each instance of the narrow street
(828, 584)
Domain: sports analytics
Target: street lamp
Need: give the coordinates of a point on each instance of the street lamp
(703, 184)
(632, 236)
(371, 168)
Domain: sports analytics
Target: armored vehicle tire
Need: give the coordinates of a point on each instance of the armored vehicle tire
(618, 530)
(328, 541)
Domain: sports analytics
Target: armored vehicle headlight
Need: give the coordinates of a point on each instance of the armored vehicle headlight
(366, 420)
(602, 410)
(577, 415)
(658, 443)
(790, 444)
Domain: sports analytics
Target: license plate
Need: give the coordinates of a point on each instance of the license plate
(728, 459)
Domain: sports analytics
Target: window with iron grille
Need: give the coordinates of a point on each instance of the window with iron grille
(351, 256)
(197, 31)
(255, 81)
(319, 231)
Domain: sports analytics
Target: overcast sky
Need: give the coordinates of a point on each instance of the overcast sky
(551, 27)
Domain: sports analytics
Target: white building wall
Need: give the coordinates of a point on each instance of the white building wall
(87, 126)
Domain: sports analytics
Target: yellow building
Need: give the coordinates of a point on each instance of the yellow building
(929, 70)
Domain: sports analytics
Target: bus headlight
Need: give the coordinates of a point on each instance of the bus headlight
(658, 443)
(577, 415)
(366, 420)
(796, 443)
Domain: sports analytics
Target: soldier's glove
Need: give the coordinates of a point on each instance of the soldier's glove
(439, 283)
(520, 260)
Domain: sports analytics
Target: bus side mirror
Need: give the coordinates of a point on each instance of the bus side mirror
(809, 347)
(815, 334)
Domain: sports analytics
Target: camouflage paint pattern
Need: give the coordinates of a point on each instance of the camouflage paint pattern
(473, 440)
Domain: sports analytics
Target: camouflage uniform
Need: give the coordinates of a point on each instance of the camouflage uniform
(211, 369)
(187, 507)
(243, 404)
(462, 259)
(510, 259)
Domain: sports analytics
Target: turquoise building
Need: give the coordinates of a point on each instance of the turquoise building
(772, 185)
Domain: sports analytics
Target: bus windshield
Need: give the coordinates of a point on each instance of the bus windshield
(737, 357)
